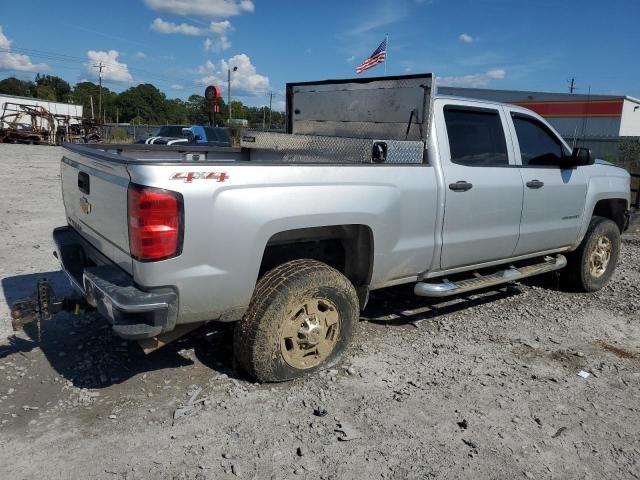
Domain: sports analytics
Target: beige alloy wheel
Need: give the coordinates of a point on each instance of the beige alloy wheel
(310, 333)
(600, 256)
(591, 265)
(300, 320)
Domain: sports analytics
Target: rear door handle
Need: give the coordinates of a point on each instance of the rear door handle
(535, 184)
(460, 186)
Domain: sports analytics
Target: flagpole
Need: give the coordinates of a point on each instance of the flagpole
(386, 54)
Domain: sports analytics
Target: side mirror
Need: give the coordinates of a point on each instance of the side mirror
(581, 157)
(197, 138)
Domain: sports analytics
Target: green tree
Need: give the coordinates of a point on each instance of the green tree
(61, 88)
(144, 101)
(84, 92)
(630, 150)
(45, 92)
(15, 86)
(176, 111)
(197, 111)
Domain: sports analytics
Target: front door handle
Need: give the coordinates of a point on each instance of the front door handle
(535, 184)
(460, 186)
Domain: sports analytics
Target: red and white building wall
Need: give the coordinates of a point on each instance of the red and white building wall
(572, 115)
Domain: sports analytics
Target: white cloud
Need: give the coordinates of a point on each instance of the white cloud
(245, 81)
(220, 40)
(140, 55)
(465, 38)
(16, 61)
(217, 34)
(220, 28)
(202, 8)
(113, 70)
(177, 87)
(474, 80)
(207, 67)
(351, 58)
(161, 26)
(217, 44)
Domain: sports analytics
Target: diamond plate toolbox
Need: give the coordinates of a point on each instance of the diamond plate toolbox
(292, 148)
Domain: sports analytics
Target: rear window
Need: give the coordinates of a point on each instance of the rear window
(476, 137)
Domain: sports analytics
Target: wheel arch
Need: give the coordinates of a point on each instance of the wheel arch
(608, 197)
(347, 248)
(614, 209)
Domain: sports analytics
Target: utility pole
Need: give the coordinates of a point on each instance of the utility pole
(229, 91)
(100, 66)
(572, 84)
(264, 113)
(270, 102)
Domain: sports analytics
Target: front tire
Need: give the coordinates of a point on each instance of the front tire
(300, 320)
(593, 263)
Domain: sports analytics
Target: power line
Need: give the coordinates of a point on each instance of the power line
(69, 62)
(70, 59)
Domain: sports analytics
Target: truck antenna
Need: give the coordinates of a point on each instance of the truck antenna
(585, 116)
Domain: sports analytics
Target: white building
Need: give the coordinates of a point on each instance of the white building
(74, 112)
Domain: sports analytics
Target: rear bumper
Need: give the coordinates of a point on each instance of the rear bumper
(133, 313)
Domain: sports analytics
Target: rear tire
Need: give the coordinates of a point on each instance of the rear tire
(300, 320)
(591, 266)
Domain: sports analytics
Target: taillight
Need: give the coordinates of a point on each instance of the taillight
(155, 223)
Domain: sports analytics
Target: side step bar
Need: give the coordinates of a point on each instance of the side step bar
(447, 288)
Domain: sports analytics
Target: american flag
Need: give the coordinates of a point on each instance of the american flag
(376, 57)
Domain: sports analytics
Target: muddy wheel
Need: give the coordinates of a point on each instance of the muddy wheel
(300, 320)
(593, 263)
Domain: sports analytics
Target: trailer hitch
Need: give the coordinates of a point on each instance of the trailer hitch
(44, 306)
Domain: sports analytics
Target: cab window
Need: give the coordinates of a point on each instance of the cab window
(476, 137)
(538, 145)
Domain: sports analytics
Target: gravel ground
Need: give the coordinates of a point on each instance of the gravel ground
(482, 386)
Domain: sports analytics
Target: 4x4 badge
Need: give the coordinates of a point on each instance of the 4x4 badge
(189, 177)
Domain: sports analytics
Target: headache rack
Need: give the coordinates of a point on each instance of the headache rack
(363, 120)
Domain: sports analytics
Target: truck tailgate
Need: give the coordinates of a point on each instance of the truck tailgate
(95, 200)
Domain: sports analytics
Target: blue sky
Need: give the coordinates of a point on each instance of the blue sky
(183, 45)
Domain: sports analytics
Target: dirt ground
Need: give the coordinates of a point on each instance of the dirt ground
(481, 386)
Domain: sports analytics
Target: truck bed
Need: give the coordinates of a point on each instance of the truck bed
(262, 147)
(355, 121)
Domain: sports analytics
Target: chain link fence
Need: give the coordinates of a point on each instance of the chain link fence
(129, 133)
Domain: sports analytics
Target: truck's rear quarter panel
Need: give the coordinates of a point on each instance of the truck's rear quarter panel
(228, 223)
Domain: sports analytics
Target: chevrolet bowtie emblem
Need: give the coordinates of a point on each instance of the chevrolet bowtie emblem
(85, 205)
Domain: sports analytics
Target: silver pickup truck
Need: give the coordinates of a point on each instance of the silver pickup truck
(376, 182)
